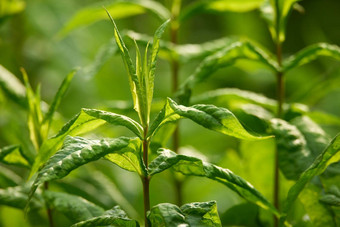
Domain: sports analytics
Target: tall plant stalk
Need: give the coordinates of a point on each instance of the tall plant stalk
(174, 26)
(146, 179)
(280, 101)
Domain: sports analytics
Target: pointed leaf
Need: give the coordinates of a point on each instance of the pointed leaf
(219, 6)
(115, 217)
(208, 116)
(119, 9)
(328, 156)
(57, 98)
(13, 155)
(226, 57)
(191, 214)
(85, 121)
(195, 167)
(73, 207)
(311, 53)
(12, 87)
(78, 151)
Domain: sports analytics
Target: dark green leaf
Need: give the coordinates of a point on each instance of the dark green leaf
(328, 156)
(57, 99)
(115, 217)
(13, 155)
(223, 58)
(310, 53)
(78, 151)
(12, 87)
(17, 197)
(216, 6)
(85, 121)
(208, 116)
(73, 207)
(234, 216)
(193, 166)
(191, 214)
(8, 178)
(332, 197)
(119, 9)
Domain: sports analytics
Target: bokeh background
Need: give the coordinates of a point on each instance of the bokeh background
(30, 39)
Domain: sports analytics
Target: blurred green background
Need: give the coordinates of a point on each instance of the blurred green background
(29, 39)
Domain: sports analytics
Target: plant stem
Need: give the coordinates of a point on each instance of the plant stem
(280, 101)
(146, 178)
(175, 9)
(48, 209)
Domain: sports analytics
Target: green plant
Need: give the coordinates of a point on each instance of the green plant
(132, 154)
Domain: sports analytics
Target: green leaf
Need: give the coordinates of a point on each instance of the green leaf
(234, 216)
(311, 53)
(119, 10)
(224, 58)
(9, 7)
(85, 121)
(208, 116)
(318, 213)
(276, 13)
(191, 214)
(195, 167)
(332, 197)
(294, 155)
(115, 217)
(219, 6)
(13, 155)
(8, 178)
(56, 101)
(17, 197)
(12, 87)
(78, 151)
(232, 96)
(328, 156)
(74, 207)
(185, 52)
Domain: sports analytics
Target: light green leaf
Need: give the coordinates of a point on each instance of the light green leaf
(9, 7)
(119, 9)
(219, 6)
(115, 217)
(223, 58)
(209, 116)
(195, 167)
(12, 87)
(17, 197)
(13, 155)
(56, 101)
(85, 121)
(318, 213)
(276, 13)
(191, 214)
(311, 53)
(73, 207)
(328, 156)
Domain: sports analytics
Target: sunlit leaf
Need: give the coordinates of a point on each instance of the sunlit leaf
(276, 13)
(311, 53)
(85, 121)
(219, 6)
(115, 217)
(78, 151)
(13, 155)
(118, 10)
(328, 156)
(73, 207)
(195, 167)
(12, 87)
(208, 116)
(10, 7)
(191, 214)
